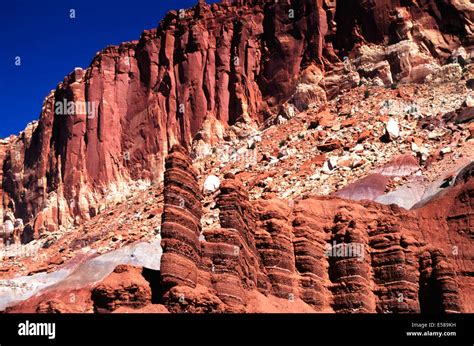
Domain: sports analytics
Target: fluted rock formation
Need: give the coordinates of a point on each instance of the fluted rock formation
(319, 253)
(231, 249)
(394, 261)
(332, 254)
(349, 268)
(181, 221)
(205, 68)
(226, 262)
(274, 243)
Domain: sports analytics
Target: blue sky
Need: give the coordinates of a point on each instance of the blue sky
(50, 44)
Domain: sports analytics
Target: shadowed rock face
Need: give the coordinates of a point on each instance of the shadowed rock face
(393, 19)
(223, 62)
(332, 254)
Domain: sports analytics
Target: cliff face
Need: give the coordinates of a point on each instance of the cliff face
(203, 68)
(332, 254)
(317, 254)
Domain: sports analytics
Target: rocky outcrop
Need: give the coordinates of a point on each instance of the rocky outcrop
(332, 254)
(313, 254)
(125, 290)
(124, 287)
(224, 259)
(199, 71)
(310, 260)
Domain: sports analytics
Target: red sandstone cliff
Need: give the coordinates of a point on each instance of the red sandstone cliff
(205, 67)
(174, 94)
(406, 261)
(320, 254)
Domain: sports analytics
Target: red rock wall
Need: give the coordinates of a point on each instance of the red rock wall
(275, 245)
(405, 263)
(280, 256)
(229, 61)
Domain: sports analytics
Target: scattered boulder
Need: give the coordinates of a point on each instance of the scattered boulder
(329, 165)
(392, 129)
(211, 184)
(329, 145)
(307, 95)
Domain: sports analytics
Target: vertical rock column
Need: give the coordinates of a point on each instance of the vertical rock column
(232, 247)
(349, 268)
(275, 246)
(181, 221)
(309, 250)
(394, 266)
(439, 289)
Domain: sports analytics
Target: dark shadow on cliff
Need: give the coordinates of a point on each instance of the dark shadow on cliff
(154, 278)
(430, 292)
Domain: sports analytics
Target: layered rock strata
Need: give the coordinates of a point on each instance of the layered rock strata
(332, 254)
(181, 221)
(199, 71)
(317, 254)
